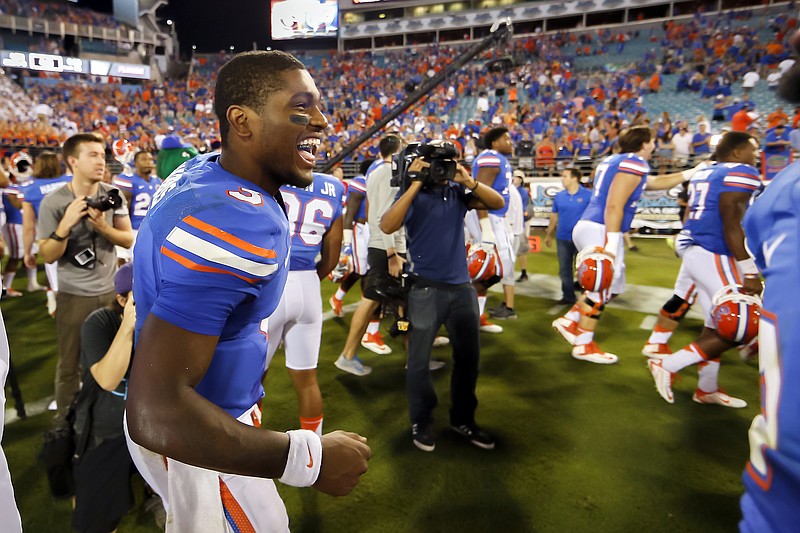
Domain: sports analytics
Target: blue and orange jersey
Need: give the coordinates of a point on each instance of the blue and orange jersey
(33, 191)
(358, 185)
(311, 212)
(772, 474)
(212, 257)
(704, 223)
(13, 214)
(141, 191)
(494, 159)
(604, 176)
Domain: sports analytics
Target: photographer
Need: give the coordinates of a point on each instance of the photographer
(433, 210)
(79, 225)
(102, 474)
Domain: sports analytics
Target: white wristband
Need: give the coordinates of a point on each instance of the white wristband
(487, 231)
(347, 236)
(305, 458)
(613, 240)
(747, 266)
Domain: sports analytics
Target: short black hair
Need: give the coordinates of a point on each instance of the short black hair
(730, 142)
(249, 79)
(139, 153)
(634, 138)
(389, 145)
(492, 135)
(574, 172)
(364, 166)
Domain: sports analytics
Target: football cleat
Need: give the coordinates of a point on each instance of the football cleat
(374, 343)
(656, 350)
(718, 397)
(336, 307)
(481, 264)
(592, 353)
(440, 341)
(663, 379)
(488, 327)
(735, 315)
(595, 269)
(567, 328)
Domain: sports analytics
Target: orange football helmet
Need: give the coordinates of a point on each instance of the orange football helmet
(595, 269)
(735, 315)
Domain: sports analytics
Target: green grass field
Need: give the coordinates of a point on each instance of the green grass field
(580, 447)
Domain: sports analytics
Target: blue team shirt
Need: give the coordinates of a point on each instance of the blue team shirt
(435, 234)
(772, 136)
(311, 212)
(494, 159)
(604, 175)
(358, 185)
(212, 257)
(13, 215)
(570, 208)
(33, 191)
(772, 476)
(705, 221)
(141, 191)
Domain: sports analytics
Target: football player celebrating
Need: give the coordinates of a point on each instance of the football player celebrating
(714, 257)
(772, 477)
(489, 227)
(315, 221)
(618, 184)
(138, 190)
(210, 266)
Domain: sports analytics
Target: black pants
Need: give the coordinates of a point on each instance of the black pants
(457, 308)
(566, 266)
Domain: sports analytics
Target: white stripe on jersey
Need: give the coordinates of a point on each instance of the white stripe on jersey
(215, 254)
(633, 165)
(734, 180)
(488, 161)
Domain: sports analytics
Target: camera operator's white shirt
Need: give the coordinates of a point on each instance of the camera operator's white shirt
(9, 515)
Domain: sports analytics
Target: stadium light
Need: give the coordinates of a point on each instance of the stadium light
(194, 47)
(169, 22)
(232, 48)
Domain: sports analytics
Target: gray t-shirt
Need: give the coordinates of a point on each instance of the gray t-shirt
(380, 197)
(72, 278)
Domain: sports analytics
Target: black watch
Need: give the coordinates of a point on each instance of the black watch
(56, 237)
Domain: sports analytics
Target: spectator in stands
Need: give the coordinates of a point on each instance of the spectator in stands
(664, 149)
(82, 240)
(743, 118)
(545, 154)
(103, 492)
(682, 145)
(749, 81)
(701, 142)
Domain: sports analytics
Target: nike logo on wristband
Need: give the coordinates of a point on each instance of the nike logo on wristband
(310, 457)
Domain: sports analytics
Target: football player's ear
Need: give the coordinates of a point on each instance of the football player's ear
(241, 120)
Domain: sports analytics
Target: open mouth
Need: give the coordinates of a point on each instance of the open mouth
(308, 149)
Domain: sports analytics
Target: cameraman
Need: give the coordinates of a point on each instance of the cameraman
(433, 214)
(82, 240)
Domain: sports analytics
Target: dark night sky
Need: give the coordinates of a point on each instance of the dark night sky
(212, 25)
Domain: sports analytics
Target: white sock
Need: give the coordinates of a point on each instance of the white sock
(707, 374)
(32, 277)
(51, 269)
(340, 294)
(574, 313)
(584, 336)
(659, 337)
(8, 279)
(684, 357)
(373, 327)
(481, 304)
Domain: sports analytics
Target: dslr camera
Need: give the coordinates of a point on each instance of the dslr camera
(440, 155)
(106, 201)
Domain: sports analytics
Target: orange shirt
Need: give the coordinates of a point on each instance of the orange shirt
(774, 118)
(740, 120)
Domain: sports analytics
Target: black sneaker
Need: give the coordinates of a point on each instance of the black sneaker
(523, 277)
(423, 437)
(476, 435)
(496, 308)
(503, 313)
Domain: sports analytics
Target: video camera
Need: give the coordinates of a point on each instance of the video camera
(440, 155)
(106, 201)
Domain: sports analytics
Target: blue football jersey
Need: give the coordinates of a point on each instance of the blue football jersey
(494, 159)
(705, 221)
(311, 212)
(212, 257)
(358, 185)
(35, 190)
(13, 214)
(604, 176)
(141, 191)
(772, 475)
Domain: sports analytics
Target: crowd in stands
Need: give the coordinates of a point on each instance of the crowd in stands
(553, 113)
(60, 12)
